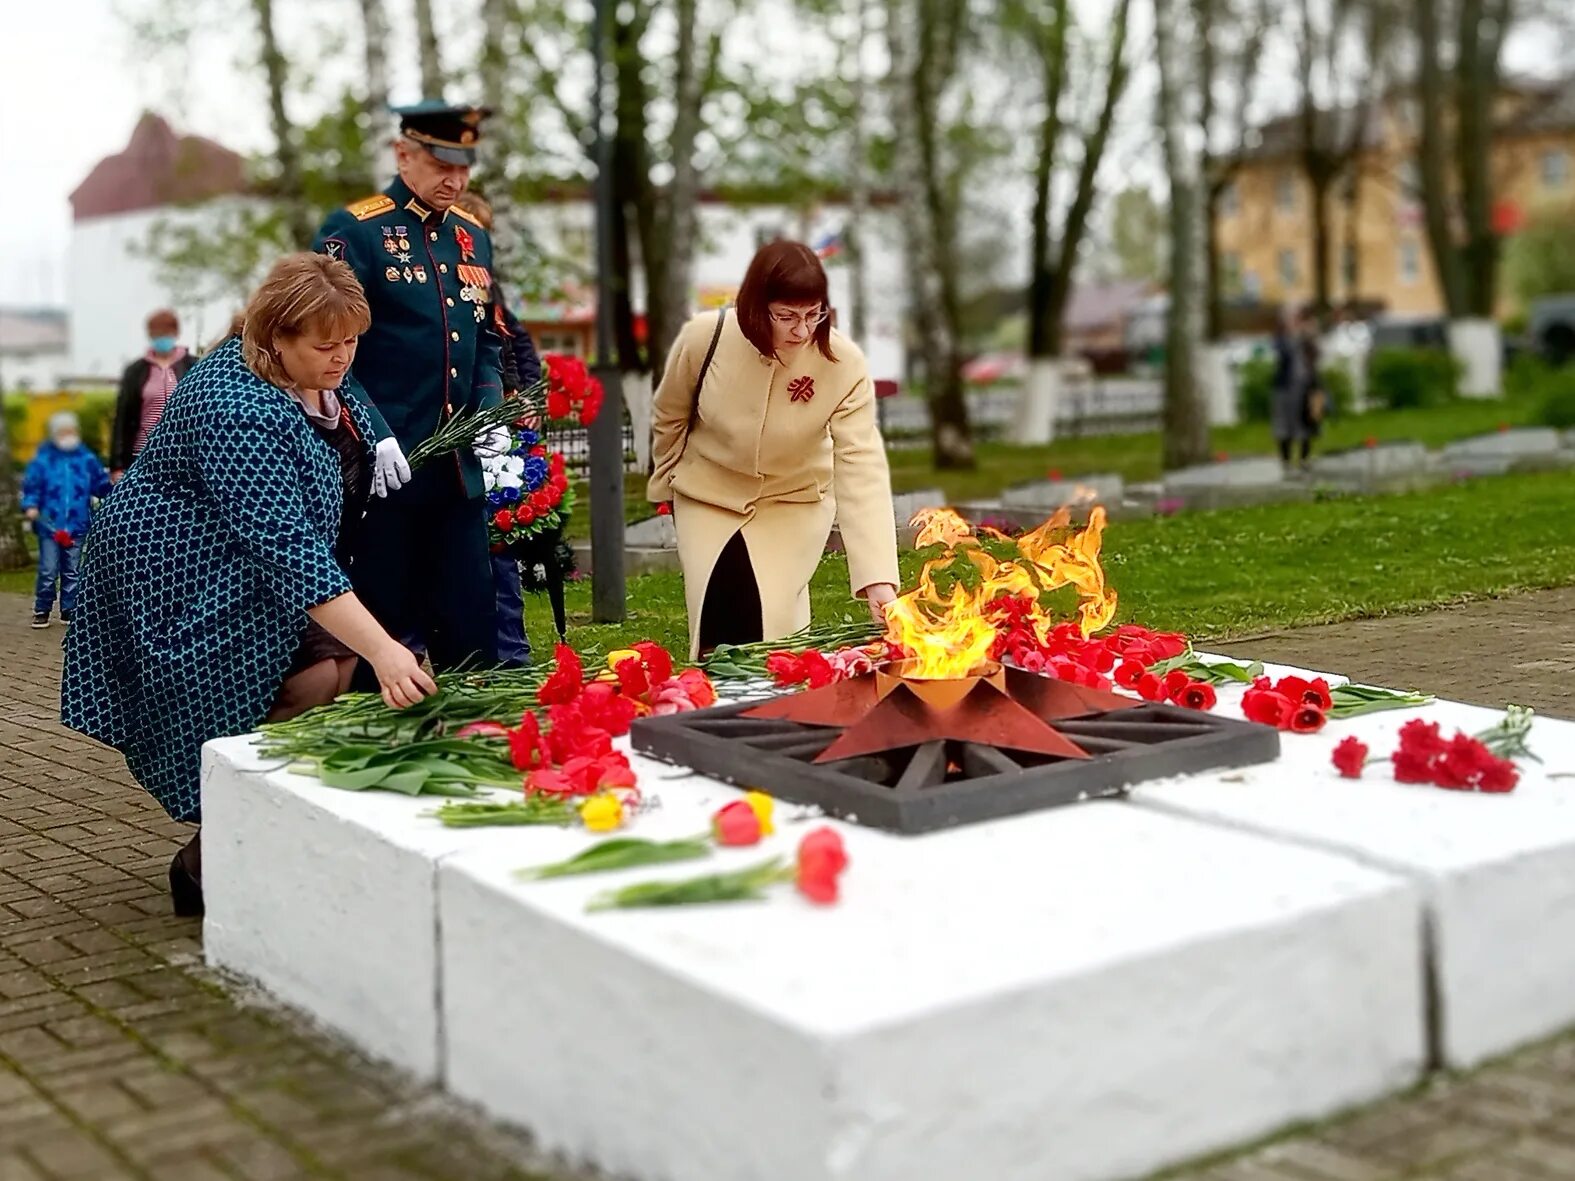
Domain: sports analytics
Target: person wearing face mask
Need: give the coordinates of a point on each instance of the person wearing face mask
(58, 489)
(214, 595)
(763, 432)
(422, 560)
(144, 388)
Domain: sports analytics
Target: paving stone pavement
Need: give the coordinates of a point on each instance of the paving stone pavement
(121, 1057)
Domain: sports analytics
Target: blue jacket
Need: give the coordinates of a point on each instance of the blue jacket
(433, 349)
(197, 576)
(62, 485)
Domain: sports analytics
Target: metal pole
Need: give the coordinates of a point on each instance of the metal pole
(606, 433)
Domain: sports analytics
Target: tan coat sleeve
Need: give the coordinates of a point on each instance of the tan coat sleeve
(671, 410)
(861, 482)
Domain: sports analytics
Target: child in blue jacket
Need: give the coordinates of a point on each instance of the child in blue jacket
(58, 490)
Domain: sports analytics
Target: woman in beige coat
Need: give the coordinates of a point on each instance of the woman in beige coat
(763, 434)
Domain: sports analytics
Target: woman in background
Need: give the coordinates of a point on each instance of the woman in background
(764, 432)
(145, 387)
(1297, 403)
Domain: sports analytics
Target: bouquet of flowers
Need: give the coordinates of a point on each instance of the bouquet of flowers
(572, 393)
(528, 492)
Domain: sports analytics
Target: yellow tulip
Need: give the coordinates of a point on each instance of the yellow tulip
(602, 813)
(614, 659)
(760, 803)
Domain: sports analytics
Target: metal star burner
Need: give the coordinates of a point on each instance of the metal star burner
(910, 756)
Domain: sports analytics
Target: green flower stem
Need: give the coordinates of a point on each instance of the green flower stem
(743, 885)
(621, 853)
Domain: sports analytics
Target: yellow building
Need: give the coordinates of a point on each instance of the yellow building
(1378, 252)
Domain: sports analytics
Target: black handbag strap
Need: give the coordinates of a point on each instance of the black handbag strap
(716, 335)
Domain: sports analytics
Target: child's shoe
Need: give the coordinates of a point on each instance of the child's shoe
(41, 619)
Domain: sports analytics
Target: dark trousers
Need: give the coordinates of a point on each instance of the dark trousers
(419, 563)
(513, 648)
(56, 562)
(731, 613)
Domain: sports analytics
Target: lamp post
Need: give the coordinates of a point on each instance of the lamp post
(606, 432)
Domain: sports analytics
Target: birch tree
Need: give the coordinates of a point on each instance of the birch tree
(380, 121)
(1185, 426)
(287, 153)
(1047, 26)
(923, 38)
(427, 51)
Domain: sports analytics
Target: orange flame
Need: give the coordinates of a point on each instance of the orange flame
(950, 635)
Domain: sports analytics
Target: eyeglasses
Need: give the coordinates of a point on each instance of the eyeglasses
(810, 320)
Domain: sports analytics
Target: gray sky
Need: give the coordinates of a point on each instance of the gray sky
(74, 89)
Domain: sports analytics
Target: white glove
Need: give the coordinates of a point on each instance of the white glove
(390, 471)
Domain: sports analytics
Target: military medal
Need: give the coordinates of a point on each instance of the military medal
(409, 274)
(404, 237)
(392, 274)
(481, 312)
(421, 274)
(467, 244)
(388, 240)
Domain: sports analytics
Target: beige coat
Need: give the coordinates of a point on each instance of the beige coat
(778, 469)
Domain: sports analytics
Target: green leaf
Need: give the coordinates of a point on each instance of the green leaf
(621, 853)
(744, 885)
(1353, 700)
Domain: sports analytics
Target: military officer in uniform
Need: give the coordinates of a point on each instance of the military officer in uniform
(421, 562)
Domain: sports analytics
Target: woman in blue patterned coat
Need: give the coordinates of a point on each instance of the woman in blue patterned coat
(212, 593)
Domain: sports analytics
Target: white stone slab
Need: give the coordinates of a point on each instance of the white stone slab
(327, 899)
(1374, 464)
(1497, 871)
(1049, 495)
(1497, 453)
(1232, 473)
(1085, 993)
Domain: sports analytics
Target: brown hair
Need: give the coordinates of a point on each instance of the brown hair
(478, 207)
(302, 292)
(163, 318)
(782, 272)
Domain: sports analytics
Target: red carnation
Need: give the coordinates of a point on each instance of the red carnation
(64, 539)
(558, 405)
(664, 509)
(1349, 757)
(525, 514)
(567, 679)
(504, 520)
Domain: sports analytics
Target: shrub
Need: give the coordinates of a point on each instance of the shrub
(1402, 379)
(1255, 386)
(1552, 390)
(95, 410)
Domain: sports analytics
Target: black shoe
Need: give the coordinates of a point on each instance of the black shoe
(65, 618)
(185, 890)
(41, 619)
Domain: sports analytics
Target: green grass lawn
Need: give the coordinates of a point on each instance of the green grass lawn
(1137, 457)
(1240, 571)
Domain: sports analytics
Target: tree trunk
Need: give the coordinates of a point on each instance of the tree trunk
(1318, 189)
(1186, 431)
(636, 193)
(427, 47)
(1476, 86)
(506, 239)
(669, 305)
(13, 543)
(380, 129)
(918, 71)
(1432, 155)
(298, 218)
(858, 181)
(1351, 254)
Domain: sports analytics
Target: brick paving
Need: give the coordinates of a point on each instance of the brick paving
(121, 1057)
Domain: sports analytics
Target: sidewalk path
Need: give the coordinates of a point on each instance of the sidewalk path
(121, 1058)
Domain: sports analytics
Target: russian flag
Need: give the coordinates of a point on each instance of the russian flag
(829, 246)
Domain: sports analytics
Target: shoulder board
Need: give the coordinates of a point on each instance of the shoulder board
(370, 206)
(470, 217)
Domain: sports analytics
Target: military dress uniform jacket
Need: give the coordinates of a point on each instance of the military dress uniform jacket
(777, 452)
(433, 349)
